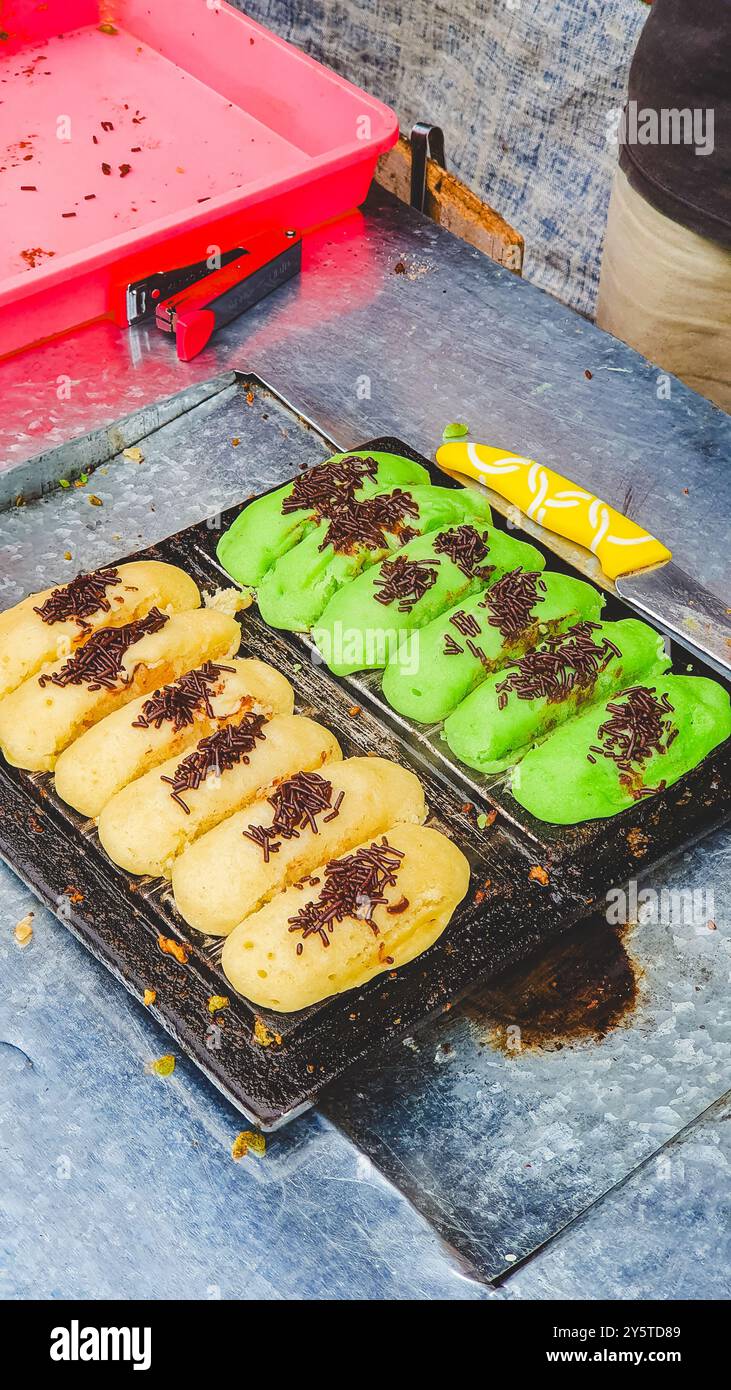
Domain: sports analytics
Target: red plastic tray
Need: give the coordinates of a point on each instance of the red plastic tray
(210, 127)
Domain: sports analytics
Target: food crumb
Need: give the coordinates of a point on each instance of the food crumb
(218, 1001)
(354, 711)
(638, 842)
(149, 997)
(457, 430)
(24, 930)
(539, 875)
(230, 601)
(236, 441)
(588, 374)
(248, 1142)
(250, 397)
(170, 947)
(264, 1036)
(162, 1066)
(486, 818)
(67, 555)
(95, 501)
(134, 454)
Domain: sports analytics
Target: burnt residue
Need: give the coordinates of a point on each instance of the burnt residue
(582, 987)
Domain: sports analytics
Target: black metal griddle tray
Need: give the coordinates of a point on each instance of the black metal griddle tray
(506, 916)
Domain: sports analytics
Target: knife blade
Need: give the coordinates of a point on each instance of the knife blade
(641, 567)
(686, 609)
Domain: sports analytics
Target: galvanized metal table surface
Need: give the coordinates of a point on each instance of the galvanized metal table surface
(562, 1136)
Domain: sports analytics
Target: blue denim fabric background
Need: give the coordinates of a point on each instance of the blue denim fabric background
(524, 90)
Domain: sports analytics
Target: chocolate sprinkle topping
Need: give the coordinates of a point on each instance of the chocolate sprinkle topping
(636, 728)
(354, 887)
(510, 602)
(180, 702)
(216, 754)
(466, 548)
(98, 664)
(405, 580)
(354, 523)
(451, 648)
(566, 662)
(325, 488)
(84, 595)
(297, 803)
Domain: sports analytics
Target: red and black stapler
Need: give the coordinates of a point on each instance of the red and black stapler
(192, 301)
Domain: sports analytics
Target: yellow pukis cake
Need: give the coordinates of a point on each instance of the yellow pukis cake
(48, 626)
(372, 910)
(162, 725)
(151, 821)
(303, 822)
(115, 665)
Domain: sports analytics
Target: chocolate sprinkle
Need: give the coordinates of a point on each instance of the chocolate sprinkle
(354, 523)
(405, 580)
(84, 595)
(566, 662)
(466, 623)
(326, 487)
(510, 602)
(451, 648)
(180, 702)
(216, 754)
(354, 887)
(466, 548)
(478, 654)
(635, 729)
(98, 664)
(297, 803)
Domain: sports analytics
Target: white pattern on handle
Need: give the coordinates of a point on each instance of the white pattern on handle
(540, 502)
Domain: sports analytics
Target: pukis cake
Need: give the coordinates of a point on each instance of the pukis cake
(622, 750)
(365, 623)
(152, 820)
(459, 649)
(357, 916)
(48, 626)
(271, 525)
(497, 724)
(302, 822)
(46, 713)
(162, 725)
(295, 590)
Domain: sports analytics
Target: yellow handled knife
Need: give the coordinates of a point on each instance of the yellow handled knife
(641, 566)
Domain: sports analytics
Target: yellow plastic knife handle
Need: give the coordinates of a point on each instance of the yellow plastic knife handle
(619, 544)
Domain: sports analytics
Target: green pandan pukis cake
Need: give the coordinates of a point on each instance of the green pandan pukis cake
(271, 525)
(460, 649)
(497, 724)
(370, 620)
(294, 592)
(637, 743)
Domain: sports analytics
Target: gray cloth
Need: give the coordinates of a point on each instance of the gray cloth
(528, 93)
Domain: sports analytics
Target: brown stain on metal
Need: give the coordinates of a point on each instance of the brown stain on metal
(583, 986)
